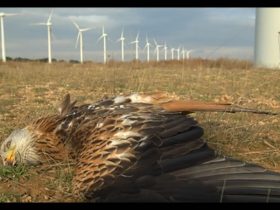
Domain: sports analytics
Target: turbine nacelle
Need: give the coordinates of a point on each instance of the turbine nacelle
(136, 41)
(122, 38)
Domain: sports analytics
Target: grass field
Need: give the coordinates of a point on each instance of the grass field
(29, 90)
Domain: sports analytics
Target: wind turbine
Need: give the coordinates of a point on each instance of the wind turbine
(80, 36)
(2, 15)
(157, 49)
(172, 53)
(178, 53)
(188, 53)
(104, 36)
(136, 46)
(183, 53)
(121, 39)
(165, 51)
(48, 24)
(148, 48)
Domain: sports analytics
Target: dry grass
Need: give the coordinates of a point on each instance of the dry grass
(29, 90)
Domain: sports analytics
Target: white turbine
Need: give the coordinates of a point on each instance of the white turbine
(183, 53)
(188, 53)
(104, 36)
(48, 24)
(165, 51)
(148, 48)
(157, 49)
(178, 53)
(136, 46)
(172, 53)
(80, 36)
(121, 39)
(2, 15)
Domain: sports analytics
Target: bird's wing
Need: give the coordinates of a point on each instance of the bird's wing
(134, 145)
(127, 140)
(218, 180)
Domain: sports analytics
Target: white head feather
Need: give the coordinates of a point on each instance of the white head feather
(23, 142)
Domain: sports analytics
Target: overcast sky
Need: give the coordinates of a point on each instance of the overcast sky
(212, 32)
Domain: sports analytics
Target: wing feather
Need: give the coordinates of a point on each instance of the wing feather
(141, 147)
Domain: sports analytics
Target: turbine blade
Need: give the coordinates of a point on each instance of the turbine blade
(76, 25)
(50, 16)
(147, 44)
(85, 29)
(155, 42)
(38, 24)
(103, 30)
(77, 39)
(100, 38)
(11, 14)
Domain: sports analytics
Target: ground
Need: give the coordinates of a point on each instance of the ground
(29, 90)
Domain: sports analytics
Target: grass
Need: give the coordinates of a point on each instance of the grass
(10, 172)
(29, 90)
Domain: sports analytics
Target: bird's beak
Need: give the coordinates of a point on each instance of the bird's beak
(10, 156)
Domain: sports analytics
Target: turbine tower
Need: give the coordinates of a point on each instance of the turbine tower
(172, 53)
(48, 24)
(104, 36)
(148, 49)
(157, 49)
(165, 51)
(2, 15)
(136, 46)
(80, 36)
(267, 38)
(121, 39)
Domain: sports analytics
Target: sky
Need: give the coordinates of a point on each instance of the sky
(211, 32)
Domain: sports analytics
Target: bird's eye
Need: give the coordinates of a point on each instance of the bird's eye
(8, 144)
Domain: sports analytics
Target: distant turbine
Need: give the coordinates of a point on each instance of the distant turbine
(148, 48)
(136, 46)
(80, 35)
(2, 15)
(188, 53)
(172, 53)
(121, 39)
(178, 54)
(48, 24)
(157, 49)
(165, 51)
(104, 36)
(183, 53)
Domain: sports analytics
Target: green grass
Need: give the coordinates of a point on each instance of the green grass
(13, 172)
(9, 197)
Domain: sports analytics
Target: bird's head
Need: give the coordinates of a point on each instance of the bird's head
(19, 148)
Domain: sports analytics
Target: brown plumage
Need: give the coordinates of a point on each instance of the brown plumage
(145, 147)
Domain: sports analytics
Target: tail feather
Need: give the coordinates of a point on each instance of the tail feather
(192, 106)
